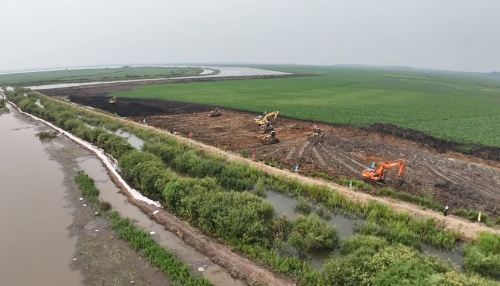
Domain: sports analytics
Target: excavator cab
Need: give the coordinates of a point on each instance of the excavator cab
(316, 134)
(270, 138)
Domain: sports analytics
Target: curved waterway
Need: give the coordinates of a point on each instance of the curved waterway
(224, 72)
(35, 244)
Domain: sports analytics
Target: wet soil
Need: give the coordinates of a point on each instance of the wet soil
(101, 258)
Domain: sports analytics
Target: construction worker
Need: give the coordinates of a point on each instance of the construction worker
(446, 211)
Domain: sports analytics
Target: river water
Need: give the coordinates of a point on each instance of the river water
(224, 72)
(35, 243)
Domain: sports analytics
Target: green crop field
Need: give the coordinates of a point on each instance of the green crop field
(455, 106)
(98, 74)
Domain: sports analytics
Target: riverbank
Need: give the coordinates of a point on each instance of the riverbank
(63, 226)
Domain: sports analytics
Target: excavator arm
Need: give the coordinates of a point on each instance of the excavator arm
(379, 174)
(263, 120)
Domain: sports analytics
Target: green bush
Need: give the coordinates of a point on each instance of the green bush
(483, 257)
(303, 206)
(312, 233)
(323, 212)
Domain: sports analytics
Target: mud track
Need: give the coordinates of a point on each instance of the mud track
(452, 178)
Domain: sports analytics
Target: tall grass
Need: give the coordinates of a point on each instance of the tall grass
(176, 271)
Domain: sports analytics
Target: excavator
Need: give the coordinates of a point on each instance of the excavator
(270, 138)
(113, 100)
(264, 121)
(214, 113)
(316, 133)
(378, 175)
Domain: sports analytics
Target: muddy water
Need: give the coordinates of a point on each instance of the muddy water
(197, 261)
(135, 141)
(345, 229)
(35, 247)
(282, 204)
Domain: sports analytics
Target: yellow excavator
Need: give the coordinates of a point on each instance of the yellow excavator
(113, 100)
(264, 121)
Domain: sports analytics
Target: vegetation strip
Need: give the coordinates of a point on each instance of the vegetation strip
(141, 241)
(252, 230)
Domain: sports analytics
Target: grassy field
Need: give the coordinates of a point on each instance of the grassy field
(87, 75)
(457, 107)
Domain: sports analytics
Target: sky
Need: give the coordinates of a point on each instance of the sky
(459, 35)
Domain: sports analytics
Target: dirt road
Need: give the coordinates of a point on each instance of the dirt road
(225, 130)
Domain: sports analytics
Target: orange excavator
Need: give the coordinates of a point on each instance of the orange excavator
(379, 174)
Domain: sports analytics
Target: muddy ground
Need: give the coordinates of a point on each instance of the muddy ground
(101, 257)
(433, 166)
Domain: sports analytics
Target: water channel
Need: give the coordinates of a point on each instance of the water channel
(345, 229)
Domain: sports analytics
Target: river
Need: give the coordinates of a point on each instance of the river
(224, 72)
(35, 244)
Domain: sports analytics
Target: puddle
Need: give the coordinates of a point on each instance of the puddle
(35, 245)
(109, 192)
(284, 205)
(453, 256)
(135, 141)
(345, 229)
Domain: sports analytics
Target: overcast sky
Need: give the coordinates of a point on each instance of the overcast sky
(461, 35)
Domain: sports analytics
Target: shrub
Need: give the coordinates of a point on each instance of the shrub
(312, 233)
(303, 206)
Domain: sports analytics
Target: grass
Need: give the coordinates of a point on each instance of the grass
(455, 107)
(45, 135)
(88, 75)
(176, 271)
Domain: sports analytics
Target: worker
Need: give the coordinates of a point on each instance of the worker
(446, 211)
(144, 121)
(272, 133)
(216, 109)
